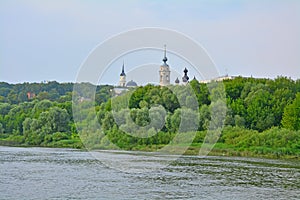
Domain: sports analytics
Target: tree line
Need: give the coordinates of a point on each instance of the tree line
(258, 114)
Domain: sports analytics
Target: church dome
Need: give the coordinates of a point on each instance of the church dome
(185, 78)
(131, 84)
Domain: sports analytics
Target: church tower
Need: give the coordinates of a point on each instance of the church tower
(164, 72)
(122, 81)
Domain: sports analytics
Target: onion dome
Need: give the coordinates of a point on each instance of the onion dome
(165, 59)
(185, 78)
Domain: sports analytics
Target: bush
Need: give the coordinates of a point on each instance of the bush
(59, 136)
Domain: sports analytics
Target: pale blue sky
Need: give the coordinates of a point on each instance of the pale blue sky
(48, 40)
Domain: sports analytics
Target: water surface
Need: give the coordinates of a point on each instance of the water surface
(43, 173)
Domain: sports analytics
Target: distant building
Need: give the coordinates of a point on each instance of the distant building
(30, 95)
(164, 72)
(122, 81)
(123, 86)
(218, 79)
(83, 99)
(164, 77)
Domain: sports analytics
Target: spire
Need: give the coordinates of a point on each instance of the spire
(185, 71)
(123, 71)
(185, 78)
(165, 57)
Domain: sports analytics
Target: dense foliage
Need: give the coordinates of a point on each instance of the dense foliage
(262, 115)
(41, 113)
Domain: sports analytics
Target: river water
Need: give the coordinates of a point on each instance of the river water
(43, 173)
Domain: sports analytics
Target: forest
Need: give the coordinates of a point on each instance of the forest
(255, 117)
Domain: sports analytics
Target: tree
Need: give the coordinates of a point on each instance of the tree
(59, 120)
(218, 111)
(107, 122)
(40, 107)
(282, 97)
(291, 115)
(142, 117)
(234, 87)
(259, 113)
(204, 117)
(1, 129)
(12, 97)
(27, 126)
(239, 121)
(189, 120)
(169, 99)
(4, 108)
(157, 117)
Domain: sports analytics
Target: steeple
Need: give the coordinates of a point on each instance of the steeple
(122, 81)
(165, 59)
(123, 71)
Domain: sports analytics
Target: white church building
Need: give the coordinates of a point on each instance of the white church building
(164, 76)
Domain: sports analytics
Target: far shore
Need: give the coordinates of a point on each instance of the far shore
(192, 150)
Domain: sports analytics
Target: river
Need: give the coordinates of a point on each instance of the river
(44, 173)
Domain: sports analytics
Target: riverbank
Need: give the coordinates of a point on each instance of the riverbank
(18, 141)
(234, 141)
(219, 149)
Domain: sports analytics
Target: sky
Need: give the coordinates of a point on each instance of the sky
(49, 40)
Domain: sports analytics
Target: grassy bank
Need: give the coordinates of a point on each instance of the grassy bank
(12, 140)
(221, 149)
(234, 141)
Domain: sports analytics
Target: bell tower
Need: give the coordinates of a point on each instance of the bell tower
(164, 71)
(122, 81)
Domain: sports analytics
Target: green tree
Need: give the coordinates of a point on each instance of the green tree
(142, 117)
(4, 108)
(204, 117)
(239, 121)
(281, 98)
(259, 113)
(12, 97)
(107, 122)
(291, 115)
(1, 129)
(43, 95)
(41, 106)
(59, 120)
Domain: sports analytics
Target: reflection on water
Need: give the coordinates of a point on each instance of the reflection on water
(41, 173)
